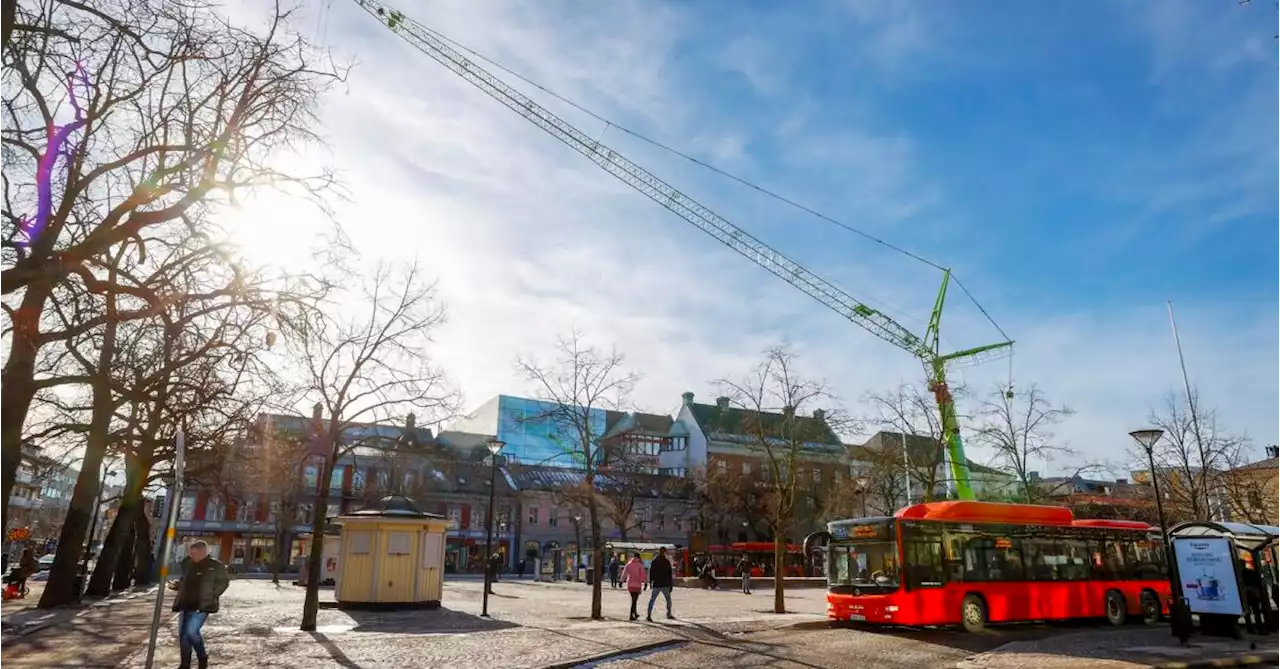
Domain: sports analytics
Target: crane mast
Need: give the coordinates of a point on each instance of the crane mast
(925, 349)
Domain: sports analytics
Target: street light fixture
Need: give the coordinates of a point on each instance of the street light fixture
(1179, 611)
(495, 446)
(862, 482)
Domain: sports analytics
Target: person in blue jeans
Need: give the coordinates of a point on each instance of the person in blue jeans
(660, 581)
(200, 589)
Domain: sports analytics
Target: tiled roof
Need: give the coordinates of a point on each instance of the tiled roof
(550, 479)
(727, 424)
(1269, 463)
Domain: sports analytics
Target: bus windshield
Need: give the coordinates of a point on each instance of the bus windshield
(870, 562)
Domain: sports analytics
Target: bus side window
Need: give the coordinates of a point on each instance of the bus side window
(1041, 559)
(1077, 560)
(1145, 559)
(1112, 567)
(924, 564)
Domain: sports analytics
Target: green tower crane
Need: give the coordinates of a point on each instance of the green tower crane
(926, 349)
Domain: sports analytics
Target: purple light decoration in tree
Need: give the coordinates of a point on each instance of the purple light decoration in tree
(58, 135)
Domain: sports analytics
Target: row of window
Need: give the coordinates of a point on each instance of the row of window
(644, 514)
(802, 474)
(969, 558)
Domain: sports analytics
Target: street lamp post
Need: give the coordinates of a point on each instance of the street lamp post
(862, 483)
(1179, 611)
(495, 446)
(93, 522)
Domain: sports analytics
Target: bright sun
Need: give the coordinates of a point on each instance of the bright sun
(276, 230)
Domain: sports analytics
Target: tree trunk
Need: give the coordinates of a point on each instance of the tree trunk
(18, 381)
(277, 560)
(60, 589)
(9, 10)
(118, 547)
(311, 606)
(142, 550)
(124, 562)
(597, 556)
(104, 571)
(779, 559)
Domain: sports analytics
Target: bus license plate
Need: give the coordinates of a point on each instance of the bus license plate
(857, 616)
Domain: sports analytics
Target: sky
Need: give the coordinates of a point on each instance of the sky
(1075, 164)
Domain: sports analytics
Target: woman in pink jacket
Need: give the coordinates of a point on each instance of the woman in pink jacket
(633, 576)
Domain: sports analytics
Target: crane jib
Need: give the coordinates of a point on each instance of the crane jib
(704, 219)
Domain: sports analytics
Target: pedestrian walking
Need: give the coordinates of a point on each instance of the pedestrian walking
(200, 589)
(633, 576)
(744, 570)
(522, 566)
(660, 582)
(614, 567)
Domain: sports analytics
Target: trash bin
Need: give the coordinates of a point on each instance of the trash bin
(591, 576)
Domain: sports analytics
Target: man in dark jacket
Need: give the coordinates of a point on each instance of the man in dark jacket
(660, 581)
(200, 589)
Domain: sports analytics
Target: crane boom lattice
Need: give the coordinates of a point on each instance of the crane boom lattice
(925, 348)
(650, 185)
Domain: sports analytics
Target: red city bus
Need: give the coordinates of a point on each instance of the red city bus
(725, 558)
(972, 563)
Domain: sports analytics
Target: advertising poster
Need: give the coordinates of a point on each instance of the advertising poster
(1208, 575)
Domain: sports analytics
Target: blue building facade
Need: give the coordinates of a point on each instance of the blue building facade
(533, 432)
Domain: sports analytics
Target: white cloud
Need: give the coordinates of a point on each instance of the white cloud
(529, 239)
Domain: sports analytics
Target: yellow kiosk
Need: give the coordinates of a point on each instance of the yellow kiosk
(392, 555)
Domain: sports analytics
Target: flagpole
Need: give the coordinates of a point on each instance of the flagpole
(1195, 415)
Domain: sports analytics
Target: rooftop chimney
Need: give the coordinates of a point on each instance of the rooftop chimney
(1273, 451)
(1033, 476)
(820, 414)
(688, 398)
(722, 402)
(789, 411)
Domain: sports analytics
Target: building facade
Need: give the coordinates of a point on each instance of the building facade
(534, 431)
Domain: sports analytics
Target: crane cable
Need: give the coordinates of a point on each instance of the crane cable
(765, 191)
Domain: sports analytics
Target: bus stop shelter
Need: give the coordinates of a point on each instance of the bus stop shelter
(1256, 547)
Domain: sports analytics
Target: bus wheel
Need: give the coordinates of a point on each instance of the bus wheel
(973, 614)
(1150, 607)
(1117, 610)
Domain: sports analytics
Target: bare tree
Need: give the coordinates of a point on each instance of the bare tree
(1248, 487)
(578, 385)
(877, 486)
(771, 402)
(1017, 425)
(373, 369)
(910, 411)
(177, 112)
(1191, 462)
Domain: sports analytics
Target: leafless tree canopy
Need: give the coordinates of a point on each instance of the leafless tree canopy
(1193, 471)
(578, 385)
(1018, 427)
(772, 401)
(180, 112)
(371, 367)
(910, 410)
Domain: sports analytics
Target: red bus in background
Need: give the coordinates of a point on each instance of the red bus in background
(724, 559)
(973, 563)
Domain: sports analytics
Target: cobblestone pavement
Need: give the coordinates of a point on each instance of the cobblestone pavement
(100, 636)
(813, 648)
(541, 624)
(532, 625)
(1122, 648)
